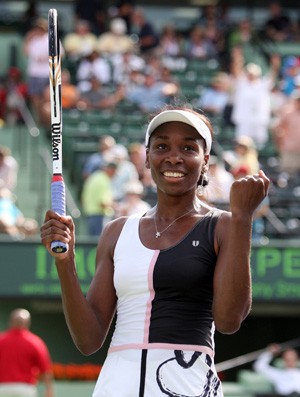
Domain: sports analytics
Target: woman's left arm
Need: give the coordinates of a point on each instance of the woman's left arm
(232, 279)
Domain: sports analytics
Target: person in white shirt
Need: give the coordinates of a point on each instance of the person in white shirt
(286, 380)
(251, 112)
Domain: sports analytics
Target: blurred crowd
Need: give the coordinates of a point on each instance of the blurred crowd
(117, 56)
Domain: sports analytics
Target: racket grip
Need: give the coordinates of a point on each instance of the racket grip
(58, 205)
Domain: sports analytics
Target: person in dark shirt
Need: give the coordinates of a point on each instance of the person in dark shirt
(148, 38)
(278, 27)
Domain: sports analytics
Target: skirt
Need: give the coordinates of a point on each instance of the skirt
(158, 373)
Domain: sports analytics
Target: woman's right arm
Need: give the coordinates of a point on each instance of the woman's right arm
(88, 318)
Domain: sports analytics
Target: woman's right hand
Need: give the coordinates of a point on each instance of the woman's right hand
(57, 228)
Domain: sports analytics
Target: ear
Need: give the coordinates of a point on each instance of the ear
(205, 166)
(147, 160)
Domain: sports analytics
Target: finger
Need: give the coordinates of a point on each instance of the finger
(266, 180)
(51, 215)
(55, 233)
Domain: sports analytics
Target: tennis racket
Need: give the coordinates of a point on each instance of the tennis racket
(57, 182)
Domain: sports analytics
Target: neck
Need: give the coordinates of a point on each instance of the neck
(172, 211)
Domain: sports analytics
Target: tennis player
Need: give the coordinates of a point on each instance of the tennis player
(171, 275)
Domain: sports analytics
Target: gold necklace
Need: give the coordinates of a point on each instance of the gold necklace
(158, 234)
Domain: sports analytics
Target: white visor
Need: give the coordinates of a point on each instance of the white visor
(185, 117)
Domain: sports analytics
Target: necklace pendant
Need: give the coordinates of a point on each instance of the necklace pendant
(157, 234)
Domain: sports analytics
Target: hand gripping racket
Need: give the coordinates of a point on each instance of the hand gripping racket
(57, 183)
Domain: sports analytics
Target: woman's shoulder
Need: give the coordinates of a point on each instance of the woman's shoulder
(111, 233)
(114, 227)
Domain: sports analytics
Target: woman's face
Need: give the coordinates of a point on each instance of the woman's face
(176, 157)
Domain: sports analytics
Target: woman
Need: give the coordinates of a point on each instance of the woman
(172, 274)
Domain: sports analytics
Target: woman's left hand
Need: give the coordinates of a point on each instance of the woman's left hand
(248, 192)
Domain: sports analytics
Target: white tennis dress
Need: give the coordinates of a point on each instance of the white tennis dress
(163, 341)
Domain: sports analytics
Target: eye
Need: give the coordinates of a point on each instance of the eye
(189, 148)
(161, 146)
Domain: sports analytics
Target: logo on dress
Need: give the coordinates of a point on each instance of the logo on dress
(187, 375)
(195, 243)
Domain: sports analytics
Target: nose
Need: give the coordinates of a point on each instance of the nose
(174, 157)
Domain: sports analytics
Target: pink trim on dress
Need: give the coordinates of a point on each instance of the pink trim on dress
(168, 346)
(151, 297)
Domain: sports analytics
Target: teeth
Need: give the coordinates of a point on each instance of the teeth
(173, 174)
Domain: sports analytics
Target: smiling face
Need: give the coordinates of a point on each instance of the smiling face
(176, 157)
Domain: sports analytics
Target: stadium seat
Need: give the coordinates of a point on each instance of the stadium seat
(234, 389)
(253, 382)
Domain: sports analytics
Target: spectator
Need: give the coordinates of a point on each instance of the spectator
(242, 35)
(76, 42)
(36, 52)
(126, 171)
(92, 11)
(125, 65)
(212, 15)
(170, 42)
(92, 65)
(116, 40)
(70, 96)
(100, 97)
(251, 111)
(132, 203)
(244, 155)
(9, 168)
(168, 77)
(197, 46)
(213, 21)
(290, 69)
(97, 198)
(278, 27)
(215, 97)
(148, 39)
(286, 133)
(14, 94)
(24, 359)
(220, 180)
(96, 161)
(124, 10)
(279, 102)
(152, 94)
(136, 153)
(12, 221)
(150, 188)
(286, 380)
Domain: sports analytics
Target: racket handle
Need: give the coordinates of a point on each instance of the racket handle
(58, 205)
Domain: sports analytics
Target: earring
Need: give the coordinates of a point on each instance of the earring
(200, 190)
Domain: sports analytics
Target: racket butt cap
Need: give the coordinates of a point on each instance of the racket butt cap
(58, 247)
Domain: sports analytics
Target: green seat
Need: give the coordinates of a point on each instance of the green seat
(254, 382)
(72, 116)
(287, 49)
(99, 117)
(234, 389)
